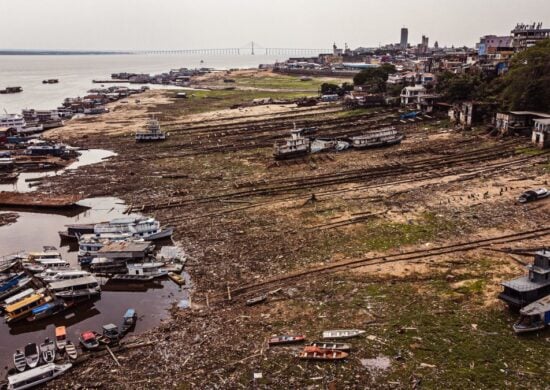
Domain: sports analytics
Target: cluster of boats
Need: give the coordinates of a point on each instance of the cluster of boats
(321, 350)
(36, 363)
(299, 144)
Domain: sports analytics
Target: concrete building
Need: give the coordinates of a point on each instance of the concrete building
(528, 35)
(541, 133)
(404, 38)
(517, 122)
(490, 44)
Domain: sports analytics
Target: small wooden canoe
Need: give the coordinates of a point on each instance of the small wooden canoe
(328, 345)
(342, 333)
(71, 350)
(278, 340)
(178, 279)
(19, 361)
(315, 353)
(256, 300)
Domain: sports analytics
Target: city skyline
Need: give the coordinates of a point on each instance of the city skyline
(146, 24)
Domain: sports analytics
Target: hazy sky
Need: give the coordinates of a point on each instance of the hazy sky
(168, 24)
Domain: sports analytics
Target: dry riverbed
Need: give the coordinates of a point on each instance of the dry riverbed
(252, 227)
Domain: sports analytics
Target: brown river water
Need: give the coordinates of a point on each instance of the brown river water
(34, 230)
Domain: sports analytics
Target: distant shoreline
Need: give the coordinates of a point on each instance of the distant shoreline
(59, 52)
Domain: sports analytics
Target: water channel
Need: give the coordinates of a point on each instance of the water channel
(33, 230)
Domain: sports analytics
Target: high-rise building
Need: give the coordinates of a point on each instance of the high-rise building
(404, 38)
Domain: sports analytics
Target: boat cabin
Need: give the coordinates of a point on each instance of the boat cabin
(522, 291)
(23, 308)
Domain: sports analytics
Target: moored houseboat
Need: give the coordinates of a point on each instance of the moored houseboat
(148, 229)
(22, 309)
(84, 287)
(142, 272)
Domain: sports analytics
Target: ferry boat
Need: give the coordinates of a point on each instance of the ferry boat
(23, 308)
(139, 227)
(37, 376)
(52, 275)
(142, 272)
(295, 146)
(15, 121)
(103, 265)
(85, 287)
(48, 264)
(377, 138)
(152, 132)
(18, 297)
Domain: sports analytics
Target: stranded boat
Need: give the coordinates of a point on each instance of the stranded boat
(71, 350)
(32, 355)
(295, 146)
(342, 333)
(327, 345)
(278, 340)
(139, 227)
(377, 138)
(533, 317)
(47, 349)
(315, 353)
(151, 133)
(19, 361)
(60, 338)
(88, 340)
(37, 376)
(532, 195)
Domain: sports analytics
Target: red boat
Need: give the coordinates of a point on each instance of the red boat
(315, 353)
(278, 340)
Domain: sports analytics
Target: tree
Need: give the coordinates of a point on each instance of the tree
(527, 84)
(375, 78)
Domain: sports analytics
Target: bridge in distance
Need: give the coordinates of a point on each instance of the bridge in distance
(251, 48)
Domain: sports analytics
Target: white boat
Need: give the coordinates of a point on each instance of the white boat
(47, 349)
(32, 355)
(142, 272)
(294, 146)
(71, 350)
(151, 133)
(20, 296)
(37, 376)
(43, 265)
(75, 288)
(377, 138)
(342, 333)
(52, 275)
(49, 253)
(19, 361)
(139, 227)
(20, 285)
(12, 121)
(533, 317)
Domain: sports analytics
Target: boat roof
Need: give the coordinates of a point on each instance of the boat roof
(72, 282)
(88, 335)
(36, 372)
(16, 297)
(125, 246)
(110, 327)
(52, 261)
(43, 308)
(523, 284)
(47, 253)
(145, 265)
(130, 313)
(538, 307)
(60, 331)
(24, 302)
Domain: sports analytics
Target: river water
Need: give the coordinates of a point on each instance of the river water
(33, 230)
(75, 73)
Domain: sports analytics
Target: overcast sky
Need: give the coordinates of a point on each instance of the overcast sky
(172, 24)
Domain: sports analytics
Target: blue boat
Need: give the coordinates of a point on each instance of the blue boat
(11, 282)
(128, 321)
(47, 310)
(410, 115)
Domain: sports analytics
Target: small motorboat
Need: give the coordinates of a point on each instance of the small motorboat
(102, 339)
(19, 361)
(71, 350)
(32, 355)
(111, 332)
(532, 195)
(88, 339)
(342, 333)
(314, 353)
(129, 321)
(178, 279)
(60, 338)
(278, 340)
(47, 349)
(256, 300)
(327, 345)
